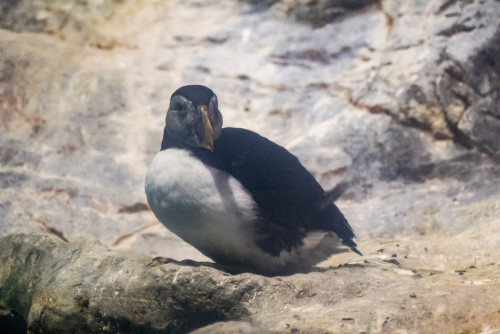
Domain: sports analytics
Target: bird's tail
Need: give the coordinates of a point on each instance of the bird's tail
(342, 227)
(333, 194)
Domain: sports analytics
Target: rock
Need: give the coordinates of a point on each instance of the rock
(85, 23)
(83, 287)
(230, 327)
(318, 13)
(438, 63)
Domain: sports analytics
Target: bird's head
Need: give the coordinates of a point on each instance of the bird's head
(193, 117)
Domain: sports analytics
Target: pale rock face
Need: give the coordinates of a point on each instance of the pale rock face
(399, 98)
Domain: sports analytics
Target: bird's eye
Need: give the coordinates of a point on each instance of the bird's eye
(182, 112)
(178, 108)
(175, 105)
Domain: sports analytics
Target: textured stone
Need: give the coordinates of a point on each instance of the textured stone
(79, 133)
(82, 287)
(440, 62)
(317, 13)
(230, 327)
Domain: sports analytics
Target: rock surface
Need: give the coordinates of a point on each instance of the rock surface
(230, 327)
(83, 287)
(84, 88)
(400, 98)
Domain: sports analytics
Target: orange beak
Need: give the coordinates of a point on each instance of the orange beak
(208, 138)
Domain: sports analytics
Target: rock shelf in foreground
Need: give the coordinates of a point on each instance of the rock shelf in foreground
(83, 287)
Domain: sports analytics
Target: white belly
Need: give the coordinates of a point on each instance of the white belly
(204, 206)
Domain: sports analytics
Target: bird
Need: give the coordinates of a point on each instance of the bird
(240, 199)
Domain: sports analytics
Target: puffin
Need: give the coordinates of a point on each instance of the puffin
(240, 199)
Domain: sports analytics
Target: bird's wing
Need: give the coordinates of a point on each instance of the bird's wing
(290, 200)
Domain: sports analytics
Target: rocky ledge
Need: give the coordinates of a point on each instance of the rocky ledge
(50, 286)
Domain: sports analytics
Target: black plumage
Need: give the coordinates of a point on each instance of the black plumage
(198, 94)
(289, 197)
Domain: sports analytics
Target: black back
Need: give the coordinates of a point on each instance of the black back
(288, 196)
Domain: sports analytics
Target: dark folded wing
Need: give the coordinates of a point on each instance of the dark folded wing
(290, 200)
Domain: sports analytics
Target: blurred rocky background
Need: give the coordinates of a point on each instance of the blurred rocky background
(400, 98)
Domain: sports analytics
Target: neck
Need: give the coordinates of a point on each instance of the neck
(170, 142)
(210, 158)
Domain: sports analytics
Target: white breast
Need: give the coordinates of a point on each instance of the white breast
(205, 206)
